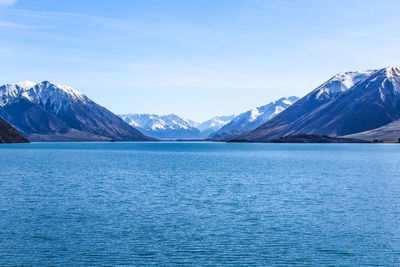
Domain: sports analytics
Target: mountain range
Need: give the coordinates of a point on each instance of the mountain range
(209, 127)
(346, 104)
(172, 127)
(360, 104)
(49, 111)
(250, 120)
(162, 127)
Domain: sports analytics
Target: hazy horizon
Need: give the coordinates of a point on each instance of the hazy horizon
(196, 59)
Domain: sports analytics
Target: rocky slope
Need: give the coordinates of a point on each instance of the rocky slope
(8, 134)
(389, 132)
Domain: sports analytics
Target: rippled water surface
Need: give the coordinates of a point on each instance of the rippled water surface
(199, 204)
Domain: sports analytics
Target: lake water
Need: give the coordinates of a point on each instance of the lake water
(199, 204)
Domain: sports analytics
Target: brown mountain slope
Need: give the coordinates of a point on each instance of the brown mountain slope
(389, 132)
(9, 135)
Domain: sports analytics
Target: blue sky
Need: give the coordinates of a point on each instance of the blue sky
(194, 58)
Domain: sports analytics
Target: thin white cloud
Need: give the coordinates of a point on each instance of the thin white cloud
(6, 24)
(7, 2)
(62, 15)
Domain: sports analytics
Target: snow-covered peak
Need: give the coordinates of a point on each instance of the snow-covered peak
(391, 72)
(26, 84)
(251, 119)
(386, 82)
(156, 122)
(341, 83)
(52, 88)
(345, 81)
(215, 123)
(55, 95)
(192, 123)
(268, 111)
(162, 126)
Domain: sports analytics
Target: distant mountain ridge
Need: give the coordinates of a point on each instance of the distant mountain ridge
(162, 126)
(49, 111)
(209, 127)
(172, 127)
(347, 103)
(250, 120)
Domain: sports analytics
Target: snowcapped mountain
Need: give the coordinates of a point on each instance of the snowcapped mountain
(162, 127)
(250, 120)
(209, 127)
(49, 111)
(348, 103)
(193, 123)
(174, 127)
(56, 96)
(338, 84)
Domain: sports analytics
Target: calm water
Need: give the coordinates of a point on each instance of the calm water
(199, 204)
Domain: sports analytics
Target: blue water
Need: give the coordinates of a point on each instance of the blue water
(199, 204)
